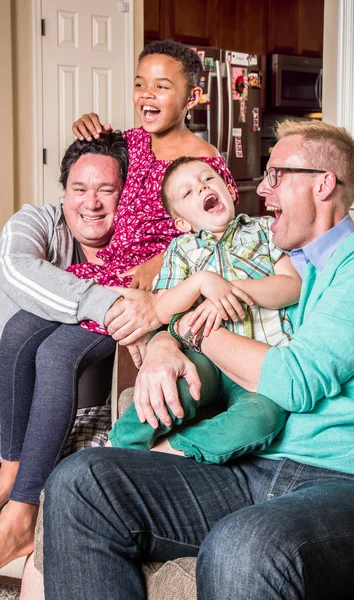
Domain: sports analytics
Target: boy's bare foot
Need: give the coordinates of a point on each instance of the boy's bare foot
(8, 474)
(17, 524)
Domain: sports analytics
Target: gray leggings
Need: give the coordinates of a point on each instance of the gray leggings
(40, 365)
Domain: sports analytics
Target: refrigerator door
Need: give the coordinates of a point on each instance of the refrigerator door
(242, 142)
(207, 116)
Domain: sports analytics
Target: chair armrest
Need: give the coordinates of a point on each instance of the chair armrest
(124, 375)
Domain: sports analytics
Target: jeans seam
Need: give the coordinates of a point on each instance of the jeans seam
(163, 538)
(270, 492)
(294, 479)
(309, 543)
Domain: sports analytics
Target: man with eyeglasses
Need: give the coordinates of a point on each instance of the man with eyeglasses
(270, 525)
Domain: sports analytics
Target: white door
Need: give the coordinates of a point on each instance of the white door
(88, 65)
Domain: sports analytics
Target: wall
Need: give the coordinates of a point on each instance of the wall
(16, 164)
(138, 39)
(23, 101)
(330, 58)
(6, 111)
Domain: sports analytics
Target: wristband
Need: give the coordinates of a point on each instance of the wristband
(190, 340)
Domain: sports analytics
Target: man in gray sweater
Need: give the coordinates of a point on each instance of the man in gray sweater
(39, 242)
(42, 355)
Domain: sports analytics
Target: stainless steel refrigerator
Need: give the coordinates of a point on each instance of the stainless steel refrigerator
(228, 116)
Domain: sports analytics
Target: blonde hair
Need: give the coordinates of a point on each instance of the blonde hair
(329, 148)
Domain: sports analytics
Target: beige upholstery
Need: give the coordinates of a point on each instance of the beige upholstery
(12, 573)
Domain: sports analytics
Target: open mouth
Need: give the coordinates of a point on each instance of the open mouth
(212, 204)
(277, 212)
(150, 112)
(91, 219)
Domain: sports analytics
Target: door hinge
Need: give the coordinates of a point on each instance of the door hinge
(44, 156)
(124, 7)
(43, 26)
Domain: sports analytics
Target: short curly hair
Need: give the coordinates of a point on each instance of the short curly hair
(189, 60)
(111, 144)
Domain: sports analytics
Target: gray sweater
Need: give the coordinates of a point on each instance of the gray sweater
(36, 246)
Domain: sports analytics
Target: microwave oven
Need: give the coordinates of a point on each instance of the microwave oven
(296, 82)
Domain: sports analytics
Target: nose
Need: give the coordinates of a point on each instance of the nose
(92, 200)
(202, 186)
(147, 92)
(264, 188)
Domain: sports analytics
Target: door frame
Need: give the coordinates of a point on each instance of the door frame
(129, 70)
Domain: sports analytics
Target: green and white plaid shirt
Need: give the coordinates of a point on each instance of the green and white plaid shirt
(245, 251)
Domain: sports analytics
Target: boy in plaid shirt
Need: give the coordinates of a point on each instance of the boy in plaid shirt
(218, 261)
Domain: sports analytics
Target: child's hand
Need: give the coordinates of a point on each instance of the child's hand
(224, 295)
(205, 313)
(89, 126)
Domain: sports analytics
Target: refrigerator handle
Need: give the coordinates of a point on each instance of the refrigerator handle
(231, 113)
(220, 105)
(211, 76)
(318, 90)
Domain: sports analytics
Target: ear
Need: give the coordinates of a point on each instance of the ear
(231, 192)
(194, 97)
(182, 225)
(326, 185)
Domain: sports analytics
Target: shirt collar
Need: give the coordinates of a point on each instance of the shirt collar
(207, 235)
(320, 250)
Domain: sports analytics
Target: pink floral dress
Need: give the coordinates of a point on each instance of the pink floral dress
(142, 228)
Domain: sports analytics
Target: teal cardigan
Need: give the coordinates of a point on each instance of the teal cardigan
(313, 377)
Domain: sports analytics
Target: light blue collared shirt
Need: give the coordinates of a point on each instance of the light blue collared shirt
(321, 249)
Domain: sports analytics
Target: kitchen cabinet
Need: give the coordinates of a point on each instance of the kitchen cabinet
(188, 21)
(255, 26)
(295, 27)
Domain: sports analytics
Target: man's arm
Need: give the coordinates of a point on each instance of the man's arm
(317, 362)
(32, 270)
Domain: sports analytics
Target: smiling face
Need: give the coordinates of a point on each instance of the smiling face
(161, 94)
(295, 199)
(200, 199)
(91, 198)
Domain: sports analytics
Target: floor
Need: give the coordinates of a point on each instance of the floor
(9, 592)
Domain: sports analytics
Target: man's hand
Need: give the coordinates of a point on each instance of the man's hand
(155, 385)
(130, 317)
(138, 350)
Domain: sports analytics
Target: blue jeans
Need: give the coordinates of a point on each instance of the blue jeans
(40, 365)
(278, 529)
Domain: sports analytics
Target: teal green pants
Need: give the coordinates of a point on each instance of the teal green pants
(248, 422)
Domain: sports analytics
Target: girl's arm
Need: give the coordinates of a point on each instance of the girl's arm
(276, 291)
(89, 126)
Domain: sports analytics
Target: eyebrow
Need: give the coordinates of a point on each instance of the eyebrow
(103, 183)
(157, 79)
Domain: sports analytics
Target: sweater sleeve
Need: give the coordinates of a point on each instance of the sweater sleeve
(32, 273)
(319, 360)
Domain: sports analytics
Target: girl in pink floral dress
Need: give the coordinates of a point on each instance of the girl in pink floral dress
(166, 87)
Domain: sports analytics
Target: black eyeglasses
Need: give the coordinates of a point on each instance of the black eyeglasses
(272, 174)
